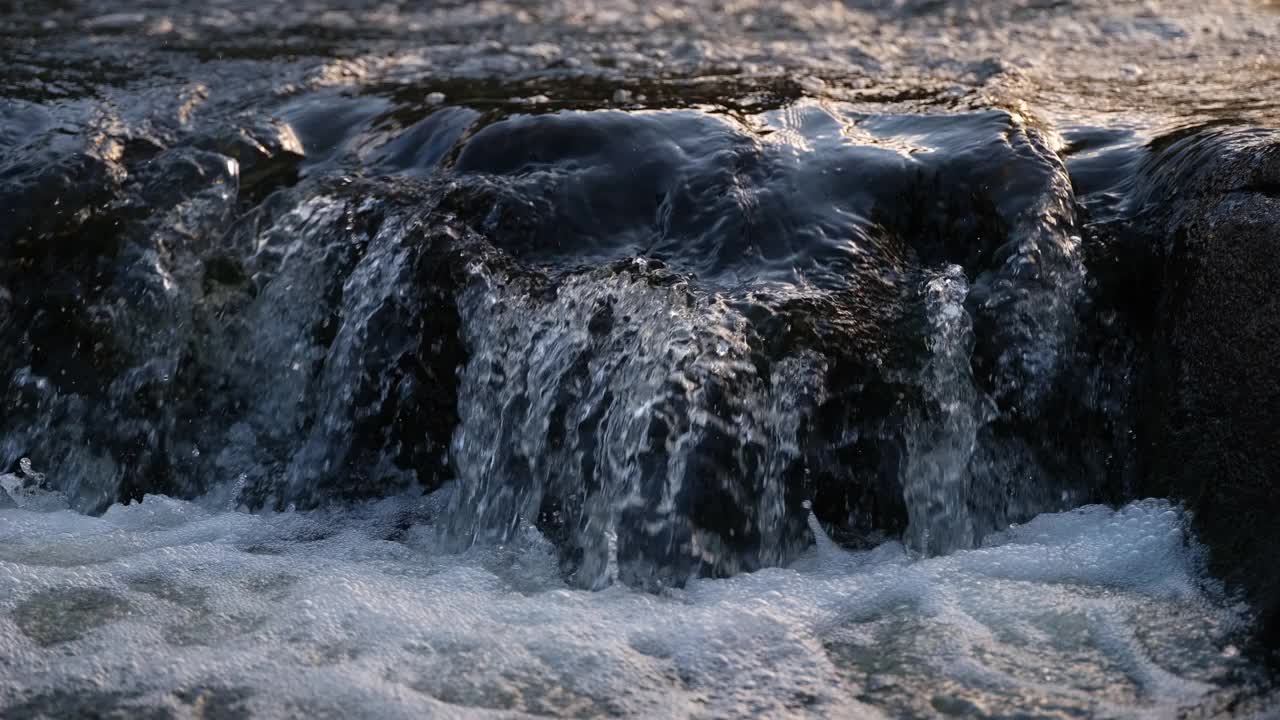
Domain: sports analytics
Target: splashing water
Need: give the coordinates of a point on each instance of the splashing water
(363, 613)
(432, 404)
(941, 442)
(639, 398)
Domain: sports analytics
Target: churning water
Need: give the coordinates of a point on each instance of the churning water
(644, 383)
(409, 374)
(191, 609)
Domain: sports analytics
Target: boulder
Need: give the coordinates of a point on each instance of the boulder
(868, 327)
(1209, 397)
(182, 321)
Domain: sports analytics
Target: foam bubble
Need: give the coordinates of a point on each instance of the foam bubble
(358, 612)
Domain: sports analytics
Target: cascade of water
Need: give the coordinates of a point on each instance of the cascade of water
(940, 441)
(623, 405)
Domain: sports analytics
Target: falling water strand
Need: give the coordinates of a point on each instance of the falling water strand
(941, 439)
(612, 408)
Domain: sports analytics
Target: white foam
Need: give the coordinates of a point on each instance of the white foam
(358, 613)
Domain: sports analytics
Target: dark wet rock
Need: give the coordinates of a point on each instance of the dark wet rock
(420, 148)
(364, 401)
(122, 357)
(1210, 392)
(902, 289)
(253, 280)
(267, 153)
(827, 234)
(51, 185)
(97, 339)
(387, 393)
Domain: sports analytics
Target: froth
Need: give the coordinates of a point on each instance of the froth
(357, 612)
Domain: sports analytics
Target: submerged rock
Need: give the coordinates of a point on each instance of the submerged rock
(679, 327)
(871, 313)
(267, 152)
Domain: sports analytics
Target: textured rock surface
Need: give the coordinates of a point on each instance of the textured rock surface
(1210, 413)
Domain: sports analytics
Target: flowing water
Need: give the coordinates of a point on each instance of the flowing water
(176, 608)
(508, 359)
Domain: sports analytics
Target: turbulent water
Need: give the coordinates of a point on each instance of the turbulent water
(185, 608)
(368, 360)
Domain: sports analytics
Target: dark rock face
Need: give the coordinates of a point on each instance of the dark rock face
(674, 328)
(1210, 398)
(154, 336)
(881, 321)
(386, 392)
